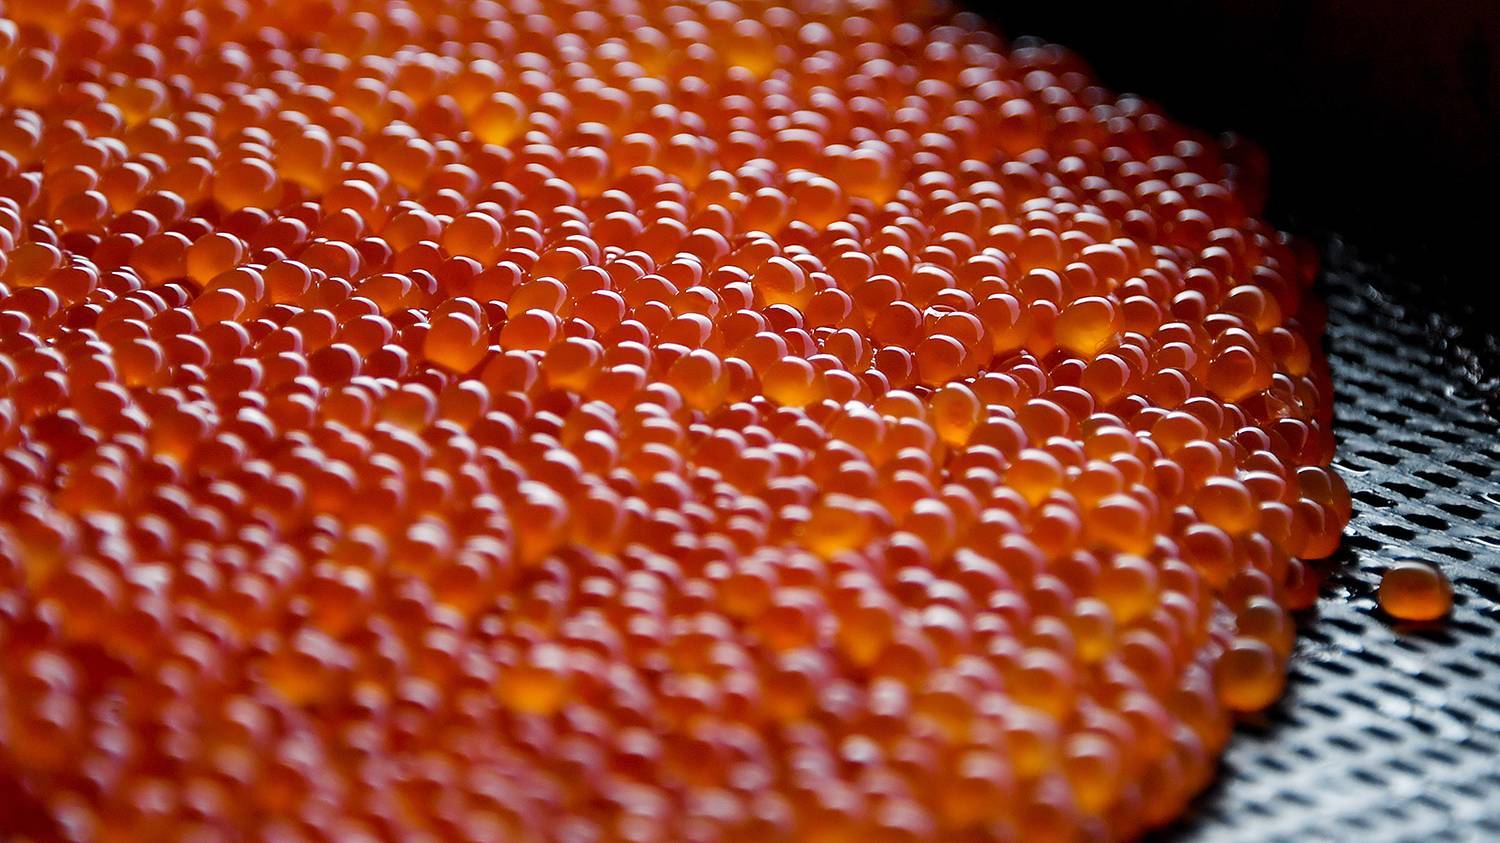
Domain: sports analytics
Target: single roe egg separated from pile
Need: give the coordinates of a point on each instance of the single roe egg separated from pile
(1415, 591)
(629, 421)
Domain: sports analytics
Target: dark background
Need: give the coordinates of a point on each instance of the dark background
(1379, 116)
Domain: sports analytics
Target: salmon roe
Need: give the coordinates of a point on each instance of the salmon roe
(1415, 591)
(568, 420)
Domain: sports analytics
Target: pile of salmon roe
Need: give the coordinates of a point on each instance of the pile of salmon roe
(620, 421)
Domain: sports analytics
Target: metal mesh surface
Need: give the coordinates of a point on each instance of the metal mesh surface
(1387, 734)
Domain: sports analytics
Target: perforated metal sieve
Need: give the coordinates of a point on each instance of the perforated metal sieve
(1387, 734)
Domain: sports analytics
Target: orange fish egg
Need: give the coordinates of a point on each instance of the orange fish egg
(1415, 591)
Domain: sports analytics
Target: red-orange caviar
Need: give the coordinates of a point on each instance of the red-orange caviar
(617, 421)
(1415, 591)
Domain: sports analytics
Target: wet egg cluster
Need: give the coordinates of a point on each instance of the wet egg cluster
(619, 421)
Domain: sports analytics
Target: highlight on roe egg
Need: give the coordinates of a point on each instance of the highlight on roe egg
(632, 421)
